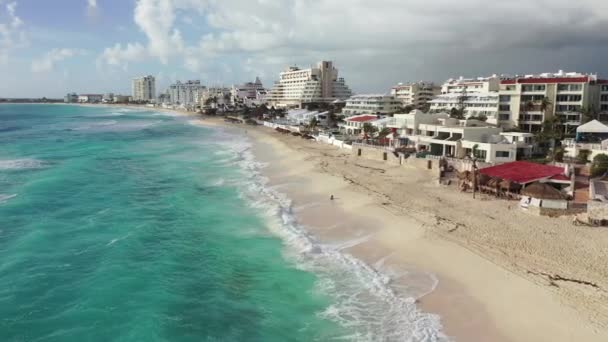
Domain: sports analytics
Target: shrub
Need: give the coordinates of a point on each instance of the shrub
(583, 156)
(599, 165)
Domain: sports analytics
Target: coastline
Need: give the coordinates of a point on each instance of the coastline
(480, 295)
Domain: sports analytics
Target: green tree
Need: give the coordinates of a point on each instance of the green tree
(583, 156)
(599, 167)
(312, 125)
(369, 130)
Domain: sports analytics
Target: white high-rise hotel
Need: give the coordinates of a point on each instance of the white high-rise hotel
(144, 88)
(313, 85)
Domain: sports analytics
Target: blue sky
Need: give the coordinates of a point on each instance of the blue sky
(51, 47)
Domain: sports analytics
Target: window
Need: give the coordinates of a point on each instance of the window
(505, 98)
(504, 117)
(605, 87)
(533, 87)
(604, 98)
(510, 87)
(504, 107)
(480, 154)
(502, 154)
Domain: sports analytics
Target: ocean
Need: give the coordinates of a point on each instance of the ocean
(124, 224)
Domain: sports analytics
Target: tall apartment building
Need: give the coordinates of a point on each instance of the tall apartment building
(416, 94)
(371, 104)
(567, 95)
(603, 99)
(319, 84)
(185, 93)
(144, 88)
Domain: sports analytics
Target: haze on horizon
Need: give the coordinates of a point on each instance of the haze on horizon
(49, 48)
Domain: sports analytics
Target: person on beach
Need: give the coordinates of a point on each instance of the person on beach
(331, 198)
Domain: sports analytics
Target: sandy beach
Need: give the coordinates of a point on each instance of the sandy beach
(496, 272)
(503, 275)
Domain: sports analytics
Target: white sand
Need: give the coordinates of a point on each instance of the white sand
(480, 250)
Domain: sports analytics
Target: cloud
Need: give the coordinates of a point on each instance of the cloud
(12, 33)
(48, 61)
(376, 42)
(92, 9)
(120, 57)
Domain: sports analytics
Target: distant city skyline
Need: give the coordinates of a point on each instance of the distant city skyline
(50, 48)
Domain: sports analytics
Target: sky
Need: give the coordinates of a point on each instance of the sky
(52, 47)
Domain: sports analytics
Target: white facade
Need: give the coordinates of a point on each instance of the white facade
(568, 93)
(475, 104)
(71, 98)
(371, 104)
(249, 93)
(184, 94)
(416, 94)
(90, 98)
(220, 96)
(144, 89)
(304, 116)
(313, 85)
(444, 136)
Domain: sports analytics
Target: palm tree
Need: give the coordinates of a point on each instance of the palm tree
(312, 125)
(369, 130)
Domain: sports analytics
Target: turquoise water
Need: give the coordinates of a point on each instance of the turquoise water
(129, 225)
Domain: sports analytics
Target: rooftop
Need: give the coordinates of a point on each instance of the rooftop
(522, 172)
(362, 118)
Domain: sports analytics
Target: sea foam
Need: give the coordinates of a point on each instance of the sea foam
(364, 301)
(20, 164)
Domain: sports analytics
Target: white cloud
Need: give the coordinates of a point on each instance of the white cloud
(92, 3)
(378, 39)
(119, 56)
(12, 33)
(48, 61)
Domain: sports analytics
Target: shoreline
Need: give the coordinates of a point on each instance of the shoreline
(477, 298)
(481, 295)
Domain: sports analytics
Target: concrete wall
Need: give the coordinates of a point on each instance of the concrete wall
(597, 210)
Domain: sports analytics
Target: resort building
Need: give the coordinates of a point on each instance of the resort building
(184, 93)
(108, 98)
(472, 85)
(354, 124)
(122, 98)
(303, 117)
(297, 87)
(371, 104)
(70, 98)
(144, 89)
(90, 98)
(476, 97)
(474, 104)
(527, 101)
(248, 94)
(416, 94)
(213, 96)
(440, 135)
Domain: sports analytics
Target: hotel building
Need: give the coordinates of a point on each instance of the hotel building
(478, 97)
(248, 93)
(144, 89)
(441, 135)
(297, 87)
(185, 94)
(521, 98)
(416, 94)
(377, 104)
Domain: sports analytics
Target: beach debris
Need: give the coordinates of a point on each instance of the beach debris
(553, 278)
